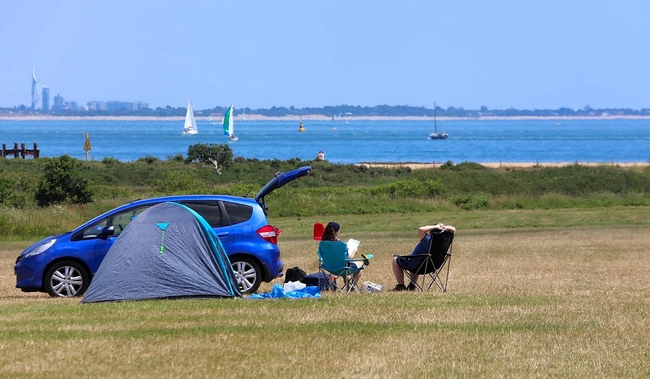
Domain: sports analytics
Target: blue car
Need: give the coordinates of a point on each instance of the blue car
(64, 265)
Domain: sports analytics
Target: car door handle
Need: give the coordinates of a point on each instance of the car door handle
(222, 234)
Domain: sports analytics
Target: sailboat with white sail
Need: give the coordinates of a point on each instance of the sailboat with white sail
(435, 134)
(228, 125)
(190, 123)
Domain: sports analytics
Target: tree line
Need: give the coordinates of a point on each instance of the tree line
(342, 111)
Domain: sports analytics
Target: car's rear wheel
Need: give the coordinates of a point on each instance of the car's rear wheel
(66, 279)
(248, 273)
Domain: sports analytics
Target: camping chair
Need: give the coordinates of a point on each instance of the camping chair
(335, 264)
(429, 266)
(319, 228)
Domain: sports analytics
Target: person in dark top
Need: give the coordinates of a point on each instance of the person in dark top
(421, 248)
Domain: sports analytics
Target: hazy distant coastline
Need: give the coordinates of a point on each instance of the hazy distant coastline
(254, 117)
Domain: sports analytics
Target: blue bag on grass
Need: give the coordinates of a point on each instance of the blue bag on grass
(318, 279)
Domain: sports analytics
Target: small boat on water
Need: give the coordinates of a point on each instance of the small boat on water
(301, 128)
(189, 128)
(435, 134)
(228, 125)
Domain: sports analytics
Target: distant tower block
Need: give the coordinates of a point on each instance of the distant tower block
(46, 99)
(35, 95)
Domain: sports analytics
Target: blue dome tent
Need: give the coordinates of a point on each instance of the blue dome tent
(168, 251)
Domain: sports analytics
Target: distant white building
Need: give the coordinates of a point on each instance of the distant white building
(36, 97)
(96, 105)
(46, 98)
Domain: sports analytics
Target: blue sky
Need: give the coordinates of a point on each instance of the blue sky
(253, 53)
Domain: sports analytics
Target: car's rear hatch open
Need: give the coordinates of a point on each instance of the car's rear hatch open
(280, 179)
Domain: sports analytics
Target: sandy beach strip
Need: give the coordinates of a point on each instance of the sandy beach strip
(255, 117)
(504, 165)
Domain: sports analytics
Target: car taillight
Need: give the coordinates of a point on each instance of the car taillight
(269, 233)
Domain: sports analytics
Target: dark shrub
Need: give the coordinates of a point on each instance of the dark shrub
(149, 159)
(470, 166)
(449, 165)
(6, 187)
(62, 182)
(176, 158)
(110, 160)
(204, 153)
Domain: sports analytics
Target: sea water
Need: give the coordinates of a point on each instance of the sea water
(620, 140)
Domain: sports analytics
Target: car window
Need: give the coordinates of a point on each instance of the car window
(122, 219)
(209, 210)
(94, 230)
(238, 212)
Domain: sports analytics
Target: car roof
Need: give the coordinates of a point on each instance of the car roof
(280, 179)
(239, 199)
(173, 198)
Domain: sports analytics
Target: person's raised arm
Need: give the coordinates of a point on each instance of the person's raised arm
(440, 226)
(449, 228)
(426, 228)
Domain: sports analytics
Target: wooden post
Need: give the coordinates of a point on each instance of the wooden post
(16, 151)
(87, 145)
(37, 152)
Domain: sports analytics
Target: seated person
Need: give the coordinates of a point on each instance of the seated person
(421, 248)
(331, 233)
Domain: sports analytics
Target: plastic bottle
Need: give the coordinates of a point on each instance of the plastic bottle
(372, 287)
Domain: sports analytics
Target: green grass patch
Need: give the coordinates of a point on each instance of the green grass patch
(567, 298)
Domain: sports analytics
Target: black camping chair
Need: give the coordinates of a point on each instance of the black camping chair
(429, 266)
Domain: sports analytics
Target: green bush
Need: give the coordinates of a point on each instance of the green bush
(206, 153)
(449, 165)
(176, 158)
(472, 202)
(6, 187)
(180, 182)
(338, 188)
(410, 188)
(148, 159)
(110, 161)
(61, 182)
(470, 166)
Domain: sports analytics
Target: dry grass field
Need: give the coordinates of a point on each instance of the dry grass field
(568, 302)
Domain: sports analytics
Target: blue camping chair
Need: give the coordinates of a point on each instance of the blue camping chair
(335, 263)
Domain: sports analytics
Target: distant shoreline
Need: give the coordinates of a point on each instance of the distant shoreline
(254, 117)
